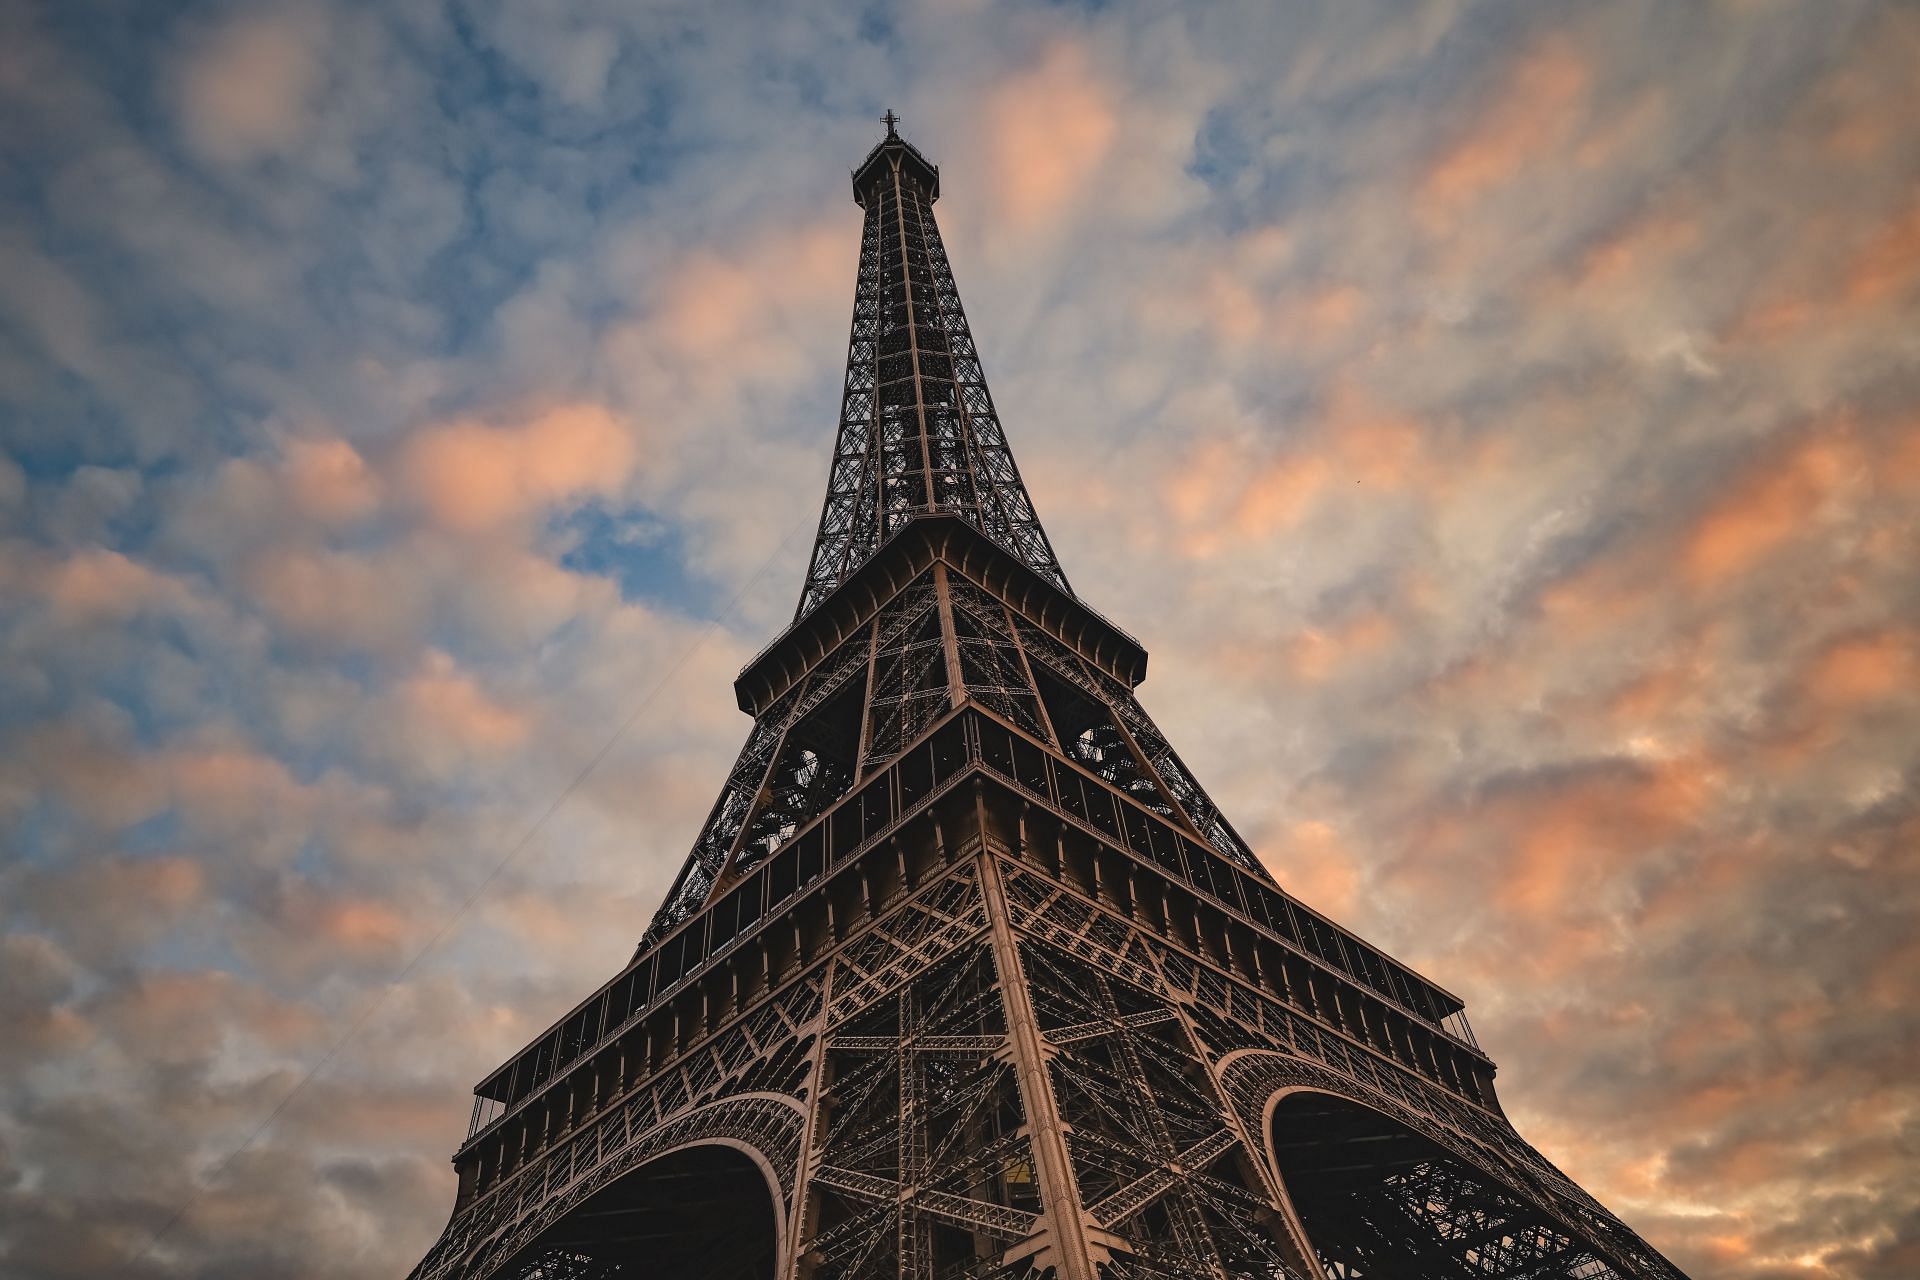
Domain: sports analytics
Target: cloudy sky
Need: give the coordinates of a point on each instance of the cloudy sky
(1501, 422)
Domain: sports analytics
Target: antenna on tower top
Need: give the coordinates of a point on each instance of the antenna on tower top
(890, 120)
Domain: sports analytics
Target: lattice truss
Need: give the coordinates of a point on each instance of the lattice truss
(910, 687)
(922, 1168)
(544, 1234)
(1111, 733)
(798, 759)
(702, 1211)
(888, 684)
(1155, 1151)
(1475, 1200)
(865, 1040)
(1520, 1191)
(728, 1085)
(993, 665)
(1437, 1219)
(854, 712)
(919, 434)
(918, 430)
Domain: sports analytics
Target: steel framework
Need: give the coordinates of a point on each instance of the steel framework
(966, 976)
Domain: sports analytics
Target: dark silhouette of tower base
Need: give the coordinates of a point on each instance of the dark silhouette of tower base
(966, 976)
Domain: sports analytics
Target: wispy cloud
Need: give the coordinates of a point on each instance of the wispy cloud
(1500, 423)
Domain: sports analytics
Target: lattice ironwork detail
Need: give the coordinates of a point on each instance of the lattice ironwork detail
(1434, 1219)
(992, 666)
(772, 1127)
(1119, 743)
(968, 963)
(918, 430)
(800, 757)
(1157, 1158)
(923, 930)
(1477, 1140)
(761, 1060)
(923, 1163)
(723, 825)
(910, 684)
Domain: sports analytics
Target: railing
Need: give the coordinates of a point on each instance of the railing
(862, 819)
(1110, 813)
(868, 815)
(1456, 1025)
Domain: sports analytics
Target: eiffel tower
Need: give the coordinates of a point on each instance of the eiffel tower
(966, 976)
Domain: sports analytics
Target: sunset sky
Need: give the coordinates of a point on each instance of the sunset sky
(1500, 422)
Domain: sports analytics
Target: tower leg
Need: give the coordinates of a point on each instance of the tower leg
(1068, 1249)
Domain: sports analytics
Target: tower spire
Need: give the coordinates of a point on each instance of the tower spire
(885, 640)
(918, 430)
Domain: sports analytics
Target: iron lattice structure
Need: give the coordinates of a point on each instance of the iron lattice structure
(918, 432)
(966, 976)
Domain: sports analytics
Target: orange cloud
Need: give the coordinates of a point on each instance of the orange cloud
(232, 783)
(1377, 445)
(1048, 132)
(709, 304)
(1775, 502)
(1656, 694)
(100, 781)
(1890, 983)
(1898, 469)
(1534, 111)
(1882, 270)
(187, 1014)
(1276, 496)
(249, 90)
(1641, 245)
(1622, 129)
(1223, 302)
(1890, 260)
(411, 1116)
(1864, 668)
(99, 585)
(339, 598)
(1657, 706)
(329, 480)
(1239, 488)
(726, 323)
(470, 477)
(1316, 864)
(575, 917)
(1332, 310)
(361, 926)
(1240, 313)
(1219, 493)
(715, 306)
(1714, 874)
(1552, 841)
(1191, 489)
(1315, 654)
(445, 706)
(1229, 293)
(1316, 318)
(162, 883)
(111, 902)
